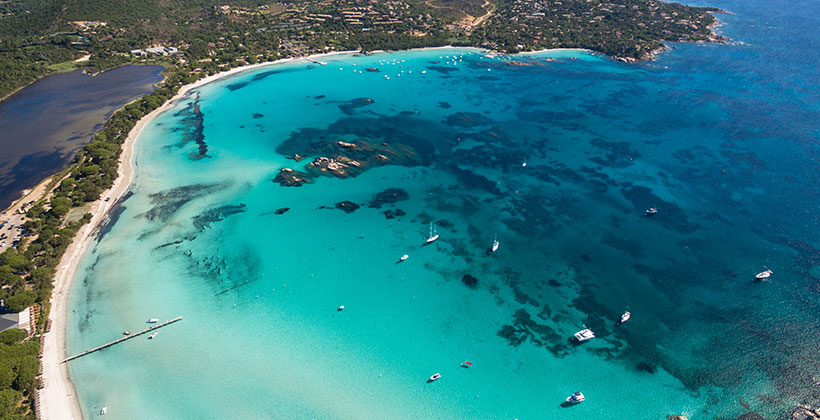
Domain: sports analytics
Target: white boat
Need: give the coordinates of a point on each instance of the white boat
(494, 247)
(576, 398)
(153, 320)
(126, 332)
(433, 236)
(650, 211)
(341, 308)
(584, 335)
(103, 410)
(435, 377)
(624, 317)
(403, 257)
(151, 337)
(763, 275)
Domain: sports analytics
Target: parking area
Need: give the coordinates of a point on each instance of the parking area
(11, 225)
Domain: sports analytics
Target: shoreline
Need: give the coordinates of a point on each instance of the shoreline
(57, 399)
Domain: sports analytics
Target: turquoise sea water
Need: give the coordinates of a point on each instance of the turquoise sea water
(722, 139)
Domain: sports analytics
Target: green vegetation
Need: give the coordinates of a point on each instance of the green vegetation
(18, 374)
(40, 37)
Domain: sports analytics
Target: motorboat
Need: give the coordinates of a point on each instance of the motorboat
(403, 257)
(466, 364)
(494, 247)
(433, 236)
(651, 211)
(126, 332)
(435, 377)
(763, 275)
(103, 410)
(153, 320)
(151, 337)
(624, 317)
(341, 308)
(584, 335)
(576, 398)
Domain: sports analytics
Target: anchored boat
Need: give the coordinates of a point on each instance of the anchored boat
(494, 247)
(434, 377)
(576, 398)
(584, 335)
(433, 235)
(624, 317)
(763, 275)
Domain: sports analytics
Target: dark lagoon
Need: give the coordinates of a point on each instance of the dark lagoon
(43, 125)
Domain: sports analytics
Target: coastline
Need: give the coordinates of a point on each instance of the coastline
(57, 399)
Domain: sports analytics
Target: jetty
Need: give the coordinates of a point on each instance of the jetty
(121, 339)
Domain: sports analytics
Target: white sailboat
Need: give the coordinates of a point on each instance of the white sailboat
(433, 235)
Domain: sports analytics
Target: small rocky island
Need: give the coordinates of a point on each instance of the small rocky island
(340, 159)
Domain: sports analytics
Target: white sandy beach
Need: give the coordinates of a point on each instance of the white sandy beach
(57, 398)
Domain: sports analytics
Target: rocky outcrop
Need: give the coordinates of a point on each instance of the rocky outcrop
(805, 412)
(289, 178)
(347, 206)
(332, 166)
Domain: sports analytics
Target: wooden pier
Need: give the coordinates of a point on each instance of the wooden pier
(121, 339)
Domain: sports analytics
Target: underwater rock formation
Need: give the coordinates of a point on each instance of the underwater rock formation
(470, 281)
(388, 196)
(391, 214)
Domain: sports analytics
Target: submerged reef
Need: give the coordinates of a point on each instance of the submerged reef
(204, 220)
(388, 196)
(192, 125)
(350, 107)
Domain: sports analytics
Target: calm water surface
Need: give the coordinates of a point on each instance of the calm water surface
(45, 124)
(721, 138)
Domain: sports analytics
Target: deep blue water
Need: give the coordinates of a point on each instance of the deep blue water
(722, 139)
(45, 124)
